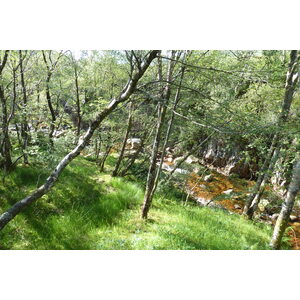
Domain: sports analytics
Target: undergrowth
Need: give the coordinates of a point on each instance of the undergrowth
(91, 210)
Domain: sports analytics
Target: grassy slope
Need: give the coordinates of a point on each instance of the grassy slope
(90, 210)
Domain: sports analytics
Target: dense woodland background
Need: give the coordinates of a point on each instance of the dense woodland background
(149, 149)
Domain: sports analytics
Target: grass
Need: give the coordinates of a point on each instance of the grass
(91, 210)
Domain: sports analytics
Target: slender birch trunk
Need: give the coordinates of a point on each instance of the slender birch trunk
(287, 207)
(5, 143)
(160, 121)
(290, 87)
(50, 68)
(24, 124)
(129, 125)
(170, 124)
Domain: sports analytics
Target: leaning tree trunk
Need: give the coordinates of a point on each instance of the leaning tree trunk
(129, 125)
(151, 172)
(134, 156)
(265, 173)
(287, 207)
(51, 180)
(290, 87)
(170, 124)
(160, 121)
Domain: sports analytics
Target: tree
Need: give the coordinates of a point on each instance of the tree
(161, 112)
(50, 65)
(129, 125)
(267, 169)
(287, 206)
(24, 125)
(124, 95)
(5, 143)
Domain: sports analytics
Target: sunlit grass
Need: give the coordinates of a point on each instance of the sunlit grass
(91, 210)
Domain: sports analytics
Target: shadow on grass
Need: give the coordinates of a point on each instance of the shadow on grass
(63, 218)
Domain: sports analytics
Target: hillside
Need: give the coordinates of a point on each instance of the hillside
(88, 209)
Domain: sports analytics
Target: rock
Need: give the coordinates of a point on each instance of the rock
(181, 171)
(192, 160)
(228, 192)
(196, 170)
(202, 186)
(169, 159)
(208, 178)
(177, 159)
(236, 206)
(165, 167)
(293, 218)
(169, 150)
(274, 216)
(262, 205)
(134, 142)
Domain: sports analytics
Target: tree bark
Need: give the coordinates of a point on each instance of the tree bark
(51, 180)
(290, 87)
(129, 125)
(24, 125)
(287, 207)
(78, 107)
(176, 100)
(135, 155)
(50, 70)
(5, 143)
(160, 121)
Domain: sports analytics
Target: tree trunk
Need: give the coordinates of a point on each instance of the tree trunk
(78, 108)
(51, 109)
(50, 181)
(176, 100)
(287, 207)
(50, 70)
(262, 185)
(104, 157)
(24, 125)
(135, 155)
(290, 87)
(160, 121)
(5, 143)
(129, 125)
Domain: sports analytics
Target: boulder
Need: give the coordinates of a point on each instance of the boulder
(169, 150)
(165, 167)
(228, 192)
(177, 159)
(293, 218)
(134, 142)
(181, 171)
(192, 160)
(262, 205)
(208, 178)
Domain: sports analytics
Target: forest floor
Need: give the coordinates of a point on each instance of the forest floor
(91, 210)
